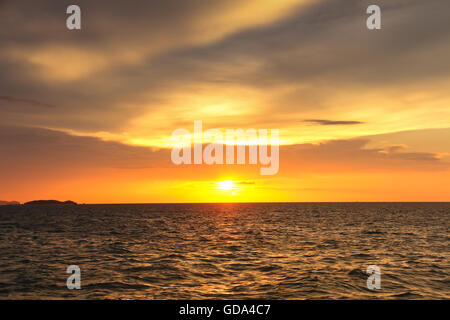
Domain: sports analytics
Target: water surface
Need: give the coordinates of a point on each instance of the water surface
(226, 251)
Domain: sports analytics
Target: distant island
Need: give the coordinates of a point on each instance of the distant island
(9, 203)
(52, 202)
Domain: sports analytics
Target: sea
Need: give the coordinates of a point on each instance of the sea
(226, 251)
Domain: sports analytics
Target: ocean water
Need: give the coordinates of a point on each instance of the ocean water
(226, 251)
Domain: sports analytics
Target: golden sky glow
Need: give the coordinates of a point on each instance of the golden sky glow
(88, 115)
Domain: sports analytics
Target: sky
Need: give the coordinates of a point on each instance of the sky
(87, 115)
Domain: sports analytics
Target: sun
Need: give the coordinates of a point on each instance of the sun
(225, 185)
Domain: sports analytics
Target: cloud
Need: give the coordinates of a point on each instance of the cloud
(140, 69)
(245, 182)
(331, 122)
(34, 152)
(426, 140)
(30, 102)
(353, 156)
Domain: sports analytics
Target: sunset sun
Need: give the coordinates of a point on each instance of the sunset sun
(225, 185)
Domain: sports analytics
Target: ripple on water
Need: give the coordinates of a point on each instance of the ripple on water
(277, 251)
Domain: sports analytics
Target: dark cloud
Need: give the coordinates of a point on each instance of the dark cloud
(331, 122)
(25, 101)
(318, 51)
(41, 151)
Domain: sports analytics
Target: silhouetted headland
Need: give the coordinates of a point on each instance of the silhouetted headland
(9, 203)
(50, 202)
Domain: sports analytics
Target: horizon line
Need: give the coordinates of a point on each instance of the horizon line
(237, 202)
